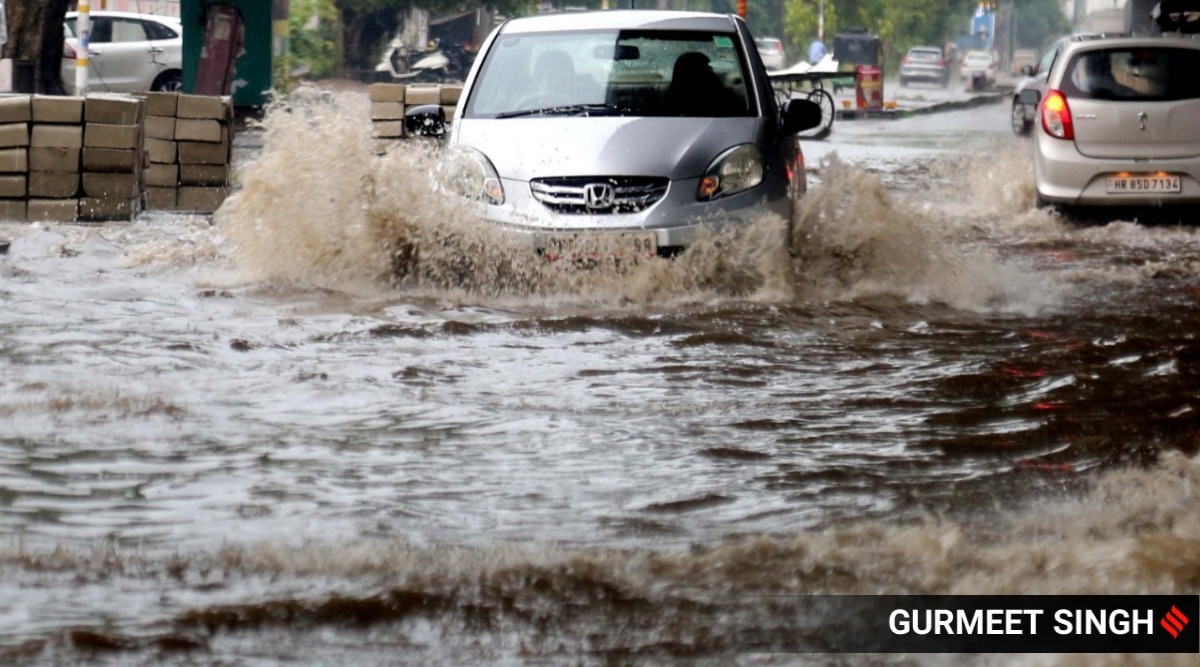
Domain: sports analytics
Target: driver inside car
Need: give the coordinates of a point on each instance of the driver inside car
(553, 78)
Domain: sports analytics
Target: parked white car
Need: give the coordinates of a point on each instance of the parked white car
(128, 52)
(770, 49)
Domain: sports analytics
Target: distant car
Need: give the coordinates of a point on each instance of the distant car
(1119, 124)
(621, 131)
(770, 49)
(978, 70)
(924, 63)
(128, 52)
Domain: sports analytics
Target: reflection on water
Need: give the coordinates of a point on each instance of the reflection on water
(220, 438)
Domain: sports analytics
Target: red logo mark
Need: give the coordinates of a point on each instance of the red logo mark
(1174, 622)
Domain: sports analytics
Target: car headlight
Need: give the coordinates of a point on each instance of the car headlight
(467, 172)
(737, 169)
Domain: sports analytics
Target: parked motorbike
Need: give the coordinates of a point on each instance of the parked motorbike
(449, 62)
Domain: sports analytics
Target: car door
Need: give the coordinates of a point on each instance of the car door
(121, 57)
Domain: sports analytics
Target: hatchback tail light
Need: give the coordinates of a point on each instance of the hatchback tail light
(1056, 116)
(904, 60)
(941, 62)
(68, 52)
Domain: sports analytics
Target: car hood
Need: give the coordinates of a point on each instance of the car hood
(526, 148)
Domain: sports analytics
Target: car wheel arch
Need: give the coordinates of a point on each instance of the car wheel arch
(170, 80)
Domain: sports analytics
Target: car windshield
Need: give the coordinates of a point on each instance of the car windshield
(925, 54)
(979, 59)
(1134, 74)
(610, 72)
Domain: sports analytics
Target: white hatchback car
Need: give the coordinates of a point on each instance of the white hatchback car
(128, 52)
(1120, 124)
(770, 49)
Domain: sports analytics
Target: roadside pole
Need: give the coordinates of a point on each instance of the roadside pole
(83, 31)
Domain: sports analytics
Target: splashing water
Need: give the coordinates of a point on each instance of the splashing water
(852, 239)
(322, 207)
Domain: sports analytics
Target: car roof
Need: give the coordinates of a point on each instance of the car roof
(175, 20)
(622, 19)
(1107, 41)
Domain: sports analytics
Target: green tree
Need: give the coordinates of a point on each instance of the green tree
(803, 22)
(1038, 22)
(313, 39)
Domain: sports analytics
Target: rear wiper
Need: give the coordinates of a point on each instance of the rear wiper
(569, 110)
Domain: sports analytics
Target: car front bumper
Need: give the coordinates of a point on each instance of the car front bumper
(677, 220)
(1064, 176)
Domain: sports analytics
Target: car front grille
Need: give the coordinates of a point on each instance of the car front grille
(599, 195)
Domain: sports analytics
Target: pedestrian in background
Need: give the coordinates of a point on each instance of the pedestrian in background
(816, 51)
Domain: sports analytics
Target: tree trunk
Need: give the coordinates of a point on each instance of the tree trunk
(35, 34)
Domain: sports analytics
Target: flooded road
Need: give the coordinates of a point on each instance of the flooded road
(248, 443)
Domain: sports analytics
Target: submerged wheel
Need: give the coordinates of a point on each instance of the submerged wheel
(823, 99)
(1020, 124)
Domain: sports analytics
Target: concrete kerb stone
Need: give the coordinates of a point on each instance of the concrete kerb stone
(952, 105)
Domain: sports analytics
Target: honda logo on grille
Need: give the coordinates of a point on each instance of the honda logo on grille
(599, 195)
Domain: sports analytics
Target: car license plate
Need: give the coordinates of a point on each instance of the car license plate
(1136, 184)
(598, 245)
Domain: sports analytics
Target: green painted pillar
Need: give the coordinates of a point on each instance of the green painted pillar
(254, 68)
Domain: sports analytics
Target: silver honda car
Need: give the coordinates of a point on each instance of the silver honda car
(636, 127)
(1119, 124)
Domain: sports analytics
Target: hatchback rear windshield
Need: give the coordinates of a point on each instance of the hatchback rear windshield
(1134, 74)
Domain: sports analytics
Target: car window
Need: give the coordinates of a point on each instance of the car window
(639, 72)
(127, 30)
(925, 54)
(157, 31)
(101, 30)
(1047, 60)
(1134, 74)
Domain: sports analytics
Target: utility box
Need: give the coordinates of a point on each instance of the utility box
(253, 53)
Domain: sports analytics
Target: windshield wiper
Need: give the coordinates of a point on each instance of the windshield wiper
(598, 109)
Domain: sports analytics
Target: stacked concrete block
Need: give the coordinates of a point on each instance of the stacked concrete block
(449, 100)
(189, 139)
(15, 114)
(55, 147)
(387, 111)
(112, 157)
(389, 101)
(161, 178)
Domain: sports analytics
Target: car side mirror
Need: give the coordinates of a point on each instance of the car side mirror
(1030, 96)
(425, 120)
(1027, 70)
(800, 115)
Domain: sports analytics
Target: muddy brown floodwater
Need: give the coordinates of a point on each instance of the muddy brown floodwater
(245, 443)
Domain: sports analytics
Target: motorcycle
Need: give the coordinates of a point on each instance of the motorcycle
(441, 63)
